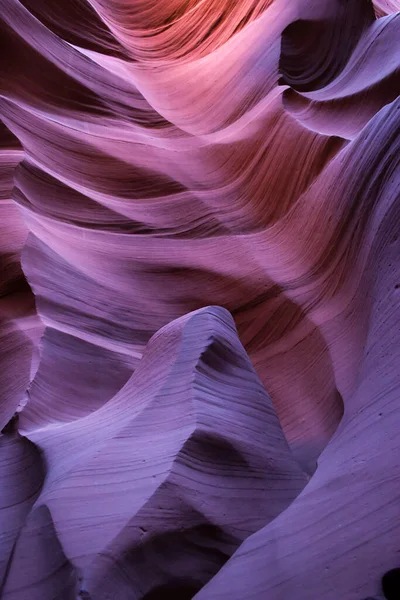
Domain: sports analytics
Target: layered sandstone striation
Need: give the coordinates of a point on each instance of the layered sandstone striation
(199, 310)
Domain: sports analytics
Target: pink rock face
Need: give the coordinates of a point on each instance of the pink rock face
(20, 329)
(199, 310)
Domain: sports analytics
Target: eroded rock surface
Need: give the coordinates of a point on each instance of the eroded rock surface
(199, 299)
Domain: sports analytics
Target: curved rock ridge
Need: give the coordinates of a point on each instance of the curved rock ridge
(203, 198)
(22, 475)
(39, 568)
(20, 329)
(343, 105)
(196, 457)
(108, 185)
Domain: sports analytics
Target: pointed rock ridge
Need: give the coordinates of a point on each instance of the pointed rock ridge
(21, 479)
(39, 569)
(355, 494)
(187, 460)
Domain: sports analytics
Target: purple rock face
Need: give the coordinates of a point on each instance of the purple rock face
(199, 300)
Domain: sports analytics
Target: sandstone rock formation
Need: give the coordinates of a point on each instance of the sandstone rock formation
(199, 310)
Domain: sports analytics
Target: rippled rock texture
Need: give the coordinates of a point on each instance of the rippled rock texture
(200, 299)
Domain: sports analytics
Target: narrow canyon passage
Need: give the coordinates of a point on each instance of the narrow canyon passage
(199, 309)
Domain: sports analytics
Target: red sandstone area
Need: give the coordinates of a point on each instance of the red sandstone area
(200, 299)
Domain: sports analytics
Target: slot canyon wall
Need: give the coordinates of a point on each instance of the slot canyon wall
(200, 299)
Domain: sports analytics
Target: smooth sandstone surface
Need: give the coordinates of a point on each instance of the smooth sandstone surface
(199, 299)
